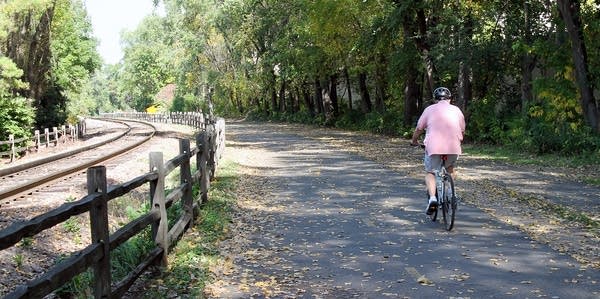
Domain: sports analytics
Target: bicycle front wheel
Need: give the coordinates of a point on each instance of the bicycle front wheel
(448, 202)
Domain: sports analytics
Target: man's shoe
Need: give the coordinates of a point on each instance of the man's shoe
(431, 206)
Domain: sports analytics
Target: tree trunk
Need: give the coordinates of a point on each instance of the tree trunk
(527, 63)
(464, 86)
(365, 100)
(570, 13)
(29, 48)
(465, 70)
(333, 96)
(380, 84)
(308, 101)
(296, 100)
(273, 93)
(423, 46)
(349, 88)
(282, 104)
(411, 96)
(318, 97)
(412, 89)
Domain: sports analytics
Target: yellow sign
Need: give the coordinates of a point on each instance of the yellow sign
(152, 109)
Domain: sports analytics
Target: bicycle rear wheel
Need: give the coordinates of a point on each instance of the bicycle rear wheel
(448, 202)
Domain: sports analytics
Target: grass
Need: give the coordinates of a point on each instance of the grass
(560, 211)
(513, 156)
(189, 262)
(190, 259)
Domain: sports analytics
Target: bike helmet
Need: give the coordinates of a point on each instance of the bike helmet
(441, 93)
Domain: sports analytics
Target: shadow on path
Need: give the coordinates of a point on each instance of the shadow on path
(341, 226)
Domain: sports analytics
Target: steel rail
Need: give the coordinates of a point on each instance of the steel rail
(14, 169)
(54, 176)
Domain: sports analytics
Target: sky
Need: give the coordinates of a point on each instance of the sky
(110, 17)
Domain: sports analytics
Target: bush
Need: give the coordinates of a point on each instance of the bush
(16, 113)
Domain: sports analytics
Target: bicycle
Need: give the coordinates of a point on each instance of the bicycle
(445, 194)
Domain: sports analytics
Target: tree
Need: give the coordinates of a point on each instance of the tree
(571, 15)
(51, 42)
(28, 42)
(147, 64)
(16, 113)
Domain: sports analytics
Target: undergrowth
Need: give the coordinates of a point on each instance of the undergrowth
(189, 259)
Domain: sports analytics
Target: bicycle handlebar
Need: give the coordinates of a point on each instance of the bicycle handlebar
(421, 145)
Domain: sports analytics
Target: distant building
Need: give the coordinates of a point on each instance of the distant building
(163, 99)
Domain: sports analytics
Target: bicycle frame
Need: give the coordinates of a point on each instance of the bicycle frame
(445, 194)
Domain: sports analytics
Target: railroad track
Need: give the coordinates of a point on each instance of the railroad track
(26, 183)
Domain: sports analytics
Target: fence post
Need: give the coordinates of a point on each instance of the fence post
(37, 140)
(81, 127)
(160, 229)
(11, 139)
(47, 135)
(96, 183)
(186, 178)
(210, 129)
(201, 165)
(63, 129)
(55, 130)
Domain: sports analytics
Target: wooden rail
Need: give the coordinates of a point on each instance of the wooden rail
(39, 140)
(209, 146)
(193, 119)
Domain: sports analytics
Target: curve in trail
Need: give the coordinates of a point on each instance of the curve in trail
(333, 224)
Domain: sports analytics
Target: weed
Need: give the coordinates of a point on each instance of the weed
(26, 242)
(197, 250)
(72, 225)
(18, 259)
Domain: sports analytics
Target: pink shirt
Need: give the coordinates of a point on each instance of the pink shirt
(444, 124)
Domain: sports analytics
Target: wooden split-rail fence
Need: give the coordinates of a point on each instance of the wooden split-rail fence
(210, 143)
(39, 140)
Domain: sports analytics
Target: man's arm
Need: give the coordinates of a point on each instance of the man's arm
(416, 135)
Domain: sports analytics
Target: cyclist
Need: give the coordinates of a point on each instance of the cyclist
(444, 125)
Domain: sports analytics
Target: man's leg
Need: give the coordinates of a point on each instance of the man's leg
(430, 183)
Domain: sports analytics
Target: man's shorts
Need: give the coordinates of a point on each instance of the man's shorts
(433, 162)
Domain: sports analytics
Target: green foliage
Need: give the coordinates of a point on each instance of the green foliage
(188, 102)
(18, 260)
(52, 42)
(239, 54)
(147, 62)
(75, 59)
(123, 258)
(104, 92)
(81, 286)
(388, 123)
(73, 46)
(190, 260)
(553, 124)
(71, 225)
(26, 242)
(482, 127)
(16, 113)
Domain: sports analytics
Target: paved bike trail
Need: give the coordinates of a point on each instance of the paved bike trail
(340, 226)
